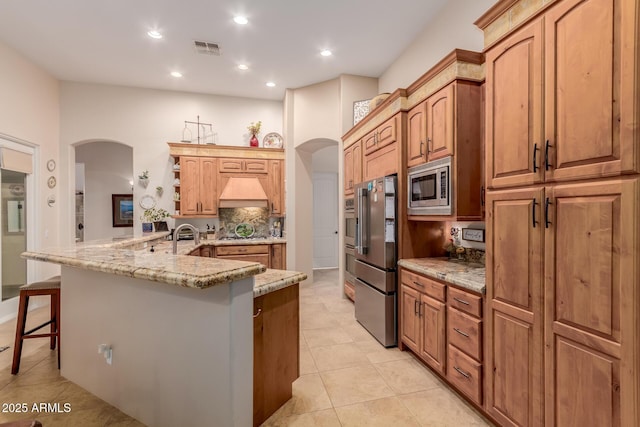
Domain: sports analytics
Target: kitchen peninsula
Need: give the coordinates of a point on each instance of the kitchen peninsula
(179, 327)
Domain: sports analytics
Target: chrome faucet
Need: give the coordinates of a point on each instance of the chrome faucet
(196, 236)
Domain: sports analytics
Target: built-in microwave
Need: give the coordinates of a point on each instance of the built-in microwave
(429, 191)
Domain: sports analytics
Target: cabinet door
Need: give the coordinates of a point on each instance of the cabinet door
(276, 196)
(262, 259)
(410, 320)
(208, 186)
(381, 163)
(348, 170)
(591, 280)
(278, 257)
(417, 130)
(357, 164)
(440, 107)
(189, 185)
(387, 132)
(588, 66)
(206, 251)
(513, 346)
(256, 166)
(432, 343)
(231, 165)
(514, 109)
(369, 142)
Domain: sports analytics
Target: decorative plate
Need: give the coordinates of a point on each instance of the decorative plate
(51, 165)
(245, 230)
(272, 140)
(147, 202)
(51, 182)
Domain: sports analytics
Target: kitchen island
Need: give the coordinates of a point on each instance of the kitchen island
(180, 329)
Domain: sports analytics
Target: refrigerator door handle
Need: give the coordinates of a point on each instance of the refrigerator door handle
(362, 225)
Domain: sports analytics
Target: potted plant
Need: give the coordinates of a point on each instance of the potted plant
(143, 178)
(254, 129)
(157, 217)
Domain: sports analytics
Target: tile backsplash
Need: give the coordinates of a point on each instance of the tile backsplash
(231, 217)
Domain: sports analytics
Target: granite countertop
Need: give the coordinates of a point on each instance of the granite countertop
(273, 280)
(464, 274)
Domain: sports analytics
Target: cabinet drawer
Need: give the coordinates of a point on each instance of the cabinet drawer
(231, 165)
(465, 332)
(465, 301)
(256, 165)
(242, 250)
(350, 291)
(465, 374)
(425, 285)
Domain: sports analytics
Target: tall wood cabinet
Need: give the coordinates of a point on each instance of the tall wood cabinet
(562, 126)
(198, 186)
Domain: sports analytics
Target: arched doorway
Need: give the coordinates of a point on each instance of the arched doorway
(103, 176)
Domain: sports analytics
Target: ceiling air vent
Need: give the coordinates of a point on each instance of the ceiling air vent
(207, 48)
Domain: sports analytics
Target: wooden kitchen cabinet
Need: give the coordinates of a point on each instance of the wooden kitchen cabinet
(417, 135)
(440, 126)
(278, 256)
(276, 187)
(513, 348)
(198, 186)
(575, 58)
(422, 322)
(383, 135)
(464, 342)
(352, 167)
(252, 253)
(380, 149)
(276, 350)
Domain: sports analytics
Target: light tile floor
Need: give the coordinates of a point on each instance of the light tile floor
(346, 377)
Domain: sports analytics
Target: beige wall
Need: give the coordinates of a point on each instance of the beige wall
(451, 28)
(29, 111)
(317, 112)
(354, 88)
(146, 120)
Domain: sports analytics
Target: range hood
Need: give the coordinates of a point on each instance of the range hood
(243, 193)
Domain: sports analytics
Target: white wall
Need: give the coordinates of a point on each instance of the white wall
(146, 120)
(108, 168)
(317, 112)
(326, 160)
(451, 28)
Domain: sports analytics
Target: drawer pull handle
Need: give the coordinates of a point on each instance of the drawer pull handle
(418, 284)
(461, 301)
(463, 373)
(460, 332)
(258, 313)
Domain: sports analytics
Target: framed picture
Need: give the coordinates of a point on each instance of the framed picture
(360, 110)
(122, 210)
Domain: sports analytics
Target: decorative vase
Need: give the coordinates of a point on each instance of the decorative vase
(254, 141)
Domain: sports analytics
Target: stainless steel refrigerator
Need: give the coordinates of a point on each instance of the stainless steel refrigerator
(376, 258)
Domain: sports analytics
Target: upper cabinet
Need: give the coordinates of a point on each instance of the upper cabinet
(352, 166)
(203, 171)
(431, 128)
(561, 96)
(381, 150)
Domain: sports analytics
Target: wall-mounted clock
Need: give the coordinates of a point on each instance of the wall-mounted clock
(51, 165)
(51, 182)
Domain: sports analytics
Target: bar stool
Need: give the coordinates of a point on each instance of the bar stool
(49, 287)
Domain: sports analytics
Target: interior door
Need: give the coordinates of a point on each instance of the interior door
(325, 220)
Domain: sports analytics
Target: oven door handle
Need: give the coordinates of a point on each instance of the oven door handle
(361, 222)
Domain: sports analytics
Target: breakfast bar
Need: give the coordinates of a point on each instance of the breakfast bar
(165, 338)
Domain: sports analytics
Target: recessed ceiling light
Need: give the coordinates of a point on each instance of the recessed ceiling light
(240, 20)
(271, 84)
(154, 34)
(176, 74)
(326, 52)
(243, 67)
